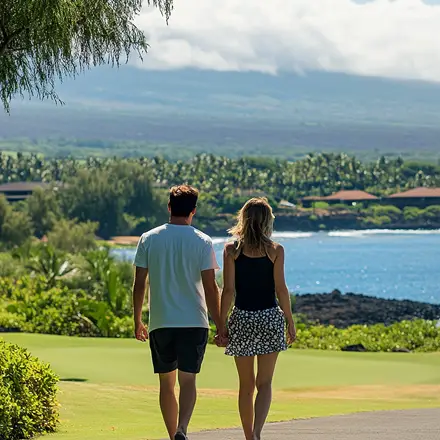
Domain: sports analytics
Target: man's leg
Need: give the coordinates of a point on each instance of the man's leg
(164, 356)
(187, 400)
(191, 351)
(168, 402)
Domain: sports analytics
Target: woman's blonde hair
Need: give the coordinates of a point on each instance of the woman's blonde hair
(254, 225)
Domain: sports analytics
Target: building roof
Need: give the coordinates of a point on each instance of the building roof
(286, 204)
(22, 186)
(313, 198)
(421, 192)
(351, 195)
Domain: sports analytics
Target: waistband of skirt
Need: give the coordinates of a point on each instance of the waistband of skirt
(271, 309)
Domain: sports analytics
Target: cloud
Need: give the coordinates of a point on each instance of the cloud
(397, 39)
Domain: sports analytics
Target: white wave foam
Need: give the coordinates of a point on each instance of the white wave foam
(356, 234)
(292, 234)
(219, 240)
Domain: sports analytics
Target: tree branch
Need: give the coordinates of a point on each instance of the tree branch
(8, 38)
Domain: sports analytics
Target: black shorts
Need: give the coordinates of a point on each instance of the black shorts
(180, 349)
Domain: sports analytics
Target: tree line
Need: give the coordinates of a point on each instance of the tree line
(117, 196)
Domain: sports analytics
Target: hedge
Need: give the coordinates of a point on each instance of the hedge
(28, 388)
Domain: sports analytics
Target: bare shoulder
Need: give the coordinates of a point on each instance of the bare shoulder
(278, 249)
(230, 248)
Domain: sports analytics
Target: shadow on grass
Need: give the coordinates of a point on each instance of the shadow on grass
(72, 379)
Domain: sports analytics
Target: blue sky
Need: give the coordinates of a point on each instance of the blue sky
(388, 38)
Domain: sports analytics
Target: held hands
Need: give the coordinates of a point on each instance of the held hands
(221, 338)
(291, 333)
(140, 332)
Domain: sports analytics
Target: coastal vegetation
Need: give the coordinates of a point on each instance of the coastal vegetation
(44, 289)
(120, 197)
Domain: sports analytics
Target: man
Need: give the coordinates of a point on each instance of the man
(180, 264)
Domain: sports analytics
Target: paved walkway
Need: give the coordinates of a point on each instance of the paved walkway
(386, 425)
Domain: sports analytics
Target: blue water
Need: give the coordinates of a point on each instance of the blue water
(386, 264)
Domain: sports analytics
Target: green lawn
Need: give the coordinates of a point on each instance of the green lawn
(108, 390)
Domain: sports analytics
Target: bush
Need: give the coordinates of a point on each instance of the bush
(11, 322)
(28, 405)
(412, 214)
(432, 213)
(417, 335)
(9, 266)
(15, 228)
(393, 212)
(382, 220)
(55, 311)
(31, 307)
(73, 237)
(321, 205)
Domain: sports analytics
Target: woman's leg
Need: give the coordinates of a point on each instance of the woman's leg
(246, 374)
(266, 368)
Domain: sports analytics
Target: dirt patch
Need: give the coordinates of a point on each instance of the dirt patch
(125, 240)
(366, 392)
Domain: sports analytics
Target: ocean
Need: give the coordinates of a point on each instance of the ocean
(383, 263)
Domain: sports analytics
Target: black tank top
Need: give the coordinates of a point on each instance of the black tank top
(254, 283)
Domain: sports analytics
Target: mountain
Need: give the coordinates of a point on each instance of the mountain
(256, 113)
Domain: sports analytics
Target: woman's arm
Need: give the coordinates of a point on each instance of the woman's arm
(228, 283)
(283, 294)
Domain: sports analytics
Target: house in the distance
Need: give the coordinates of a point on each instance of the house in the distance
(18, 191)
(420, 197)
(346, 197)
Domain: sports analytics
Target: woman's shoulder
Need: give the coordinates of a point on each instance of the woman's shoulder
(231, 247)
(277, 249)
(274, 250)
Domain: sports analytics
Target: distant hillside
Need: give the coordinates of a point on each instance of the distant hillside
(235, 113)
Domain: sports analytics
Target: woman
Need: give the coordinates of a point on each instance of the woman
(254, 271)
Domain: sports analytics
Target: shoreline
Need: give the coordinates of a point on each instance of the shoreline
(346, 309)
(130, 241)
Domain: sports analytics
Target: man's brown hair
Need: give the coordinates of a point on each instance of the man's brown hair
(183, 200)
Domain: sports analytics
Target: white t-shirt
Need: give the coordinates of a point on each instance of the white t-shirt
(175, 256)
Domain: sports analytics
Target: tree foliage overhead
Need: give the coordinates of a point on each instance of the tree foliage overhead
(42, 41)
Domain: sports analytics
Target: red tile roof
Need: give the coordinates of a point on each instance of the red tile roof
(421, 192)
(351, 195)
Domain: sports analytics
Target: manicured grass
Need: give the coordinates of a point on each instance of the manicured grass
(109, 390)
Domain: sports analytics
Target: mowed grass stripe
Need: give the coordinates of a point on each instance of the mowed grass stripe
(127, 362)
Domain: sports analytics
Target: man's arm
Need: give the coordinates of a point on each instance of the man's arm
(212, 295)
(139, 289)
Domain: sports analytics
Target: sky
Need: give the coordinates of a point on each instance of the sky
(386, 38)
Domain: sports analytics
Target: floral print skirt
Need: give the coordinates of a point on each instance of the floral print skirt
(254, 333)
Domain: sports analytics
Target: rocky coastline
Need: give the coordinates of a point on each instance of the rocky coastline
(344, 310)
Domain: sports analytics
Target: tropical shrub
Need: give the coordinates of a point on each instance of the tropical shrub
(71, 236)
(28, 305)
(49, 262)
(432, 213)
(11, 322)
(378, 221)
(392, 212)
(412, 214)
(416, 335)
(53, 311)
(15, 226)
(28, 405)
